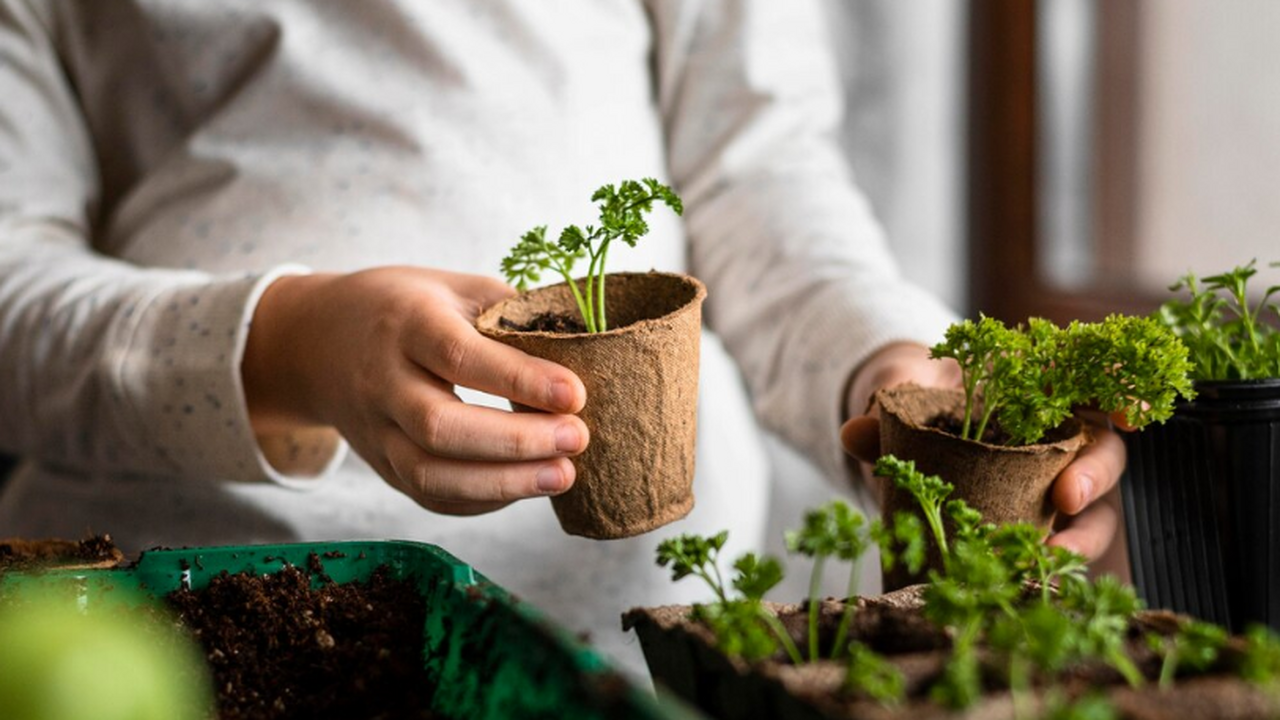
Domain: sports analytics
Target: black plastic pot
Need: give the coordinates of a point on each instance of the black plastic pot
(1202, 505)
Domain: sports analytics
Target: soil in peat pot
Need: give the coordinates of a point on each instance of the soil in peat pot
(546, 322)
(278, 648)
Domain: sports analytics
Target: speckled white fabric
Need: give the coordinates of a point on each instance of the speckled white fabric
(162, 161)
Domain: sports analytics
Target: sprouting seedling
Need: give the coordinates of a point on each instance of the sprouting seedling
(1227, 334)
(695, 555)
(929, 491)
(833, 530)
(1260, 663)
(902, 540)
(1103, 609)
(871, 674)
(742, 625)
(622, 211)
(1022, 547)
(1195, 645)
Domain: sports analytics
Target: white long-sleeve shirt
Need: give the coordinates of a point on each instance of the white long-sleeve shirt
(162, 161)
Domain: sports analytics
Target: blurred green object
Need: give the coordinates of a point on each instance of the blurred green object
(491, 656)
(60, 662)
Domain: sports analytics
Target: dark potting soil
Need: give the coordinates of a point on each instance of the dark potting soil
(546, 322)
(992, 434)
(23, 555)
(279, 648)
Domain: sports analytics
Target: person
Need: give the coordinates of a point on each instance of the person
(239, 239)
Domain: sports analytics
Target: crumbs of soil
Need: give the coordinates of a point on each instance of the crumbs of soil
(952, 425)
(19, 554)
(280, 649)
(546, 322)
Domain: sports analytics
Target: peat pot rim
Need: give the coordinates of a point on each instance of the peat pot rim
(1071, 436)
(691, 301)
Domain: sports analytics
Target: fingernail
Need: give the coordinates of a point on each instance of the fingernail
(550, 479)
(561, 394)
(1086, 490)
(568, 439)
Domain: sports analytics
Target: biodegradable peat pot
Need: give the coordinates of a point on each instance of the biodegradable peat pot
(1202, 504)
(642, 397)
(1007, 484)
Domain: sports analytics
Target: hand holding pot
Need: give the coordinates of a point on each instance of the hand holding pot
(1084, 492)
(376, 355)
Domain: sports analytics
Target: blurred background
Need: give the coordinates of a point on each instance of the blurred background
(1061, 158)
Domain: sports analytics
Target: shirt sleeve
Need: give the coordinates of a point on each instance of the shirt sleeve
(106, 366)
(802, 286)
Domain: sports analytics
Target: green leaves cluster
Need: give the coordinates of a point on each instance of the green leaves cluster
(1030, 378)
(1002, 587)
(1017, 611)
(741, 623)
(1230, 338)
(622, 211)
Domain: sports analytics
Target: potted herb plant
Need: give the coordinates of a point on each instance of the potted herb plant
(633, 339)
(1004, 436)
(1006, 628)
(1201, 502)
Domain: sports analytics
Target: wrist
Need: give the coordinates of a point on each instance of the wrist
(276, 366)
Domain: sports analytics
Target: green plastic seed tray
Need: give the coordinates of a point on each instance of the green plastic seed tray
(490, 655)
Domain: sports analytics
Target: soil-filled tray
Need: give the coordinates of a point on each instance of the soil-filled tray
(484, 653)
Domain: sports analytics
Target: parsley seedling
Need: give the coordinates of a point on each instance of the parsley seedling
(1031, 377)
(1195, 645)
(742, 625)
(870, 674)
(929, 491)
(622, 211)
(833, 530)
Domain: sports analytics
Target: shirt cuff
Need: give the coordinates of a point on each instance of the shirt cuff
(179, 366)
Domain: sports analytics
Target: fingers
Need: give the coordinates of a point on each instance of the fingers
(1092, 474)
(1091, 532)
(456, 352)
(860, 437)
(443, 426)
(461, 487)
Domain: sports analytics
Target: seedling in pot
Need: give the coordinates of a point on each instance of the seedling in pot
(622, 211)
(1229, 338)
(742, 625)
(1194, 646)
(833, 530)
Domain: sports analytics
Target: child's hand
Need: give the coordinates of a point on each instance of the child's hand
(376, 355)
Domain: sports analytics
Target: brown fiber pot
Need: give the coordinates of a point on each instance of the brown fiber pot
(641, 376)
(1006, 484)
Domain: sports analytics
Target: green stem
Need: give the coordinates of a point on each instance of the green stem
(850, 605)
(934, 516)
(604, 252)
(1019, 683)
(815, 581)
(716, 586)
(780, 632)
(583, 306)
(986, 416)
(724, 598)
(1169, 668)
(1125, 666)
(591, 288)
